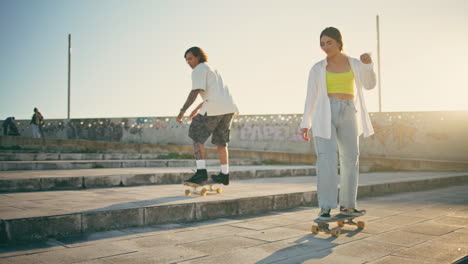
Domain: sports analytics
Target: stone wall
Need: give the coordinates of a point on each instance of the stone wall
(419, 135)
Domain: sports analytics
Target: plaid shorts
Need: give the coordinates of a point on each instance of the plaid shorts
(203, 127)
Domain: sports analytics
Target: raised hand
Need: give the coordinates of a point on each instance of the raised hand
(366, 58)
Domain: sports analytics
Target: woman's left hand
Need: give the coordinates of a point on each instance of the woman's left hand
(366, 58)
(305, 134)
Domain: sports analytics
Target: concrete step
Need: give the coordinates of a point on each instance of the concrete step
(367, 163)
(95, 164)
(13, 156)
(42, 215)
(26, 181)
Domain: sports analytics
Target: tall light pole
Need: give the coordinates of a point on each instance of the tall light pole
(378, 61)
(69, 74)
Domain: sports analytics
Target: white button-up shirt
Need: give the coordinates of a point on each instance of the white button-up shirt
(317, 111)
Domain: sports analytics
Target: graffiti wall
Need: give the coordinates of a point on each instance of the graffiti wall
(431, 135)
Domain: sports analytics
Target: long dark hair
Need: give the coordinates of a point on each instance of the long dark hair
(333, 33)
(197, 52)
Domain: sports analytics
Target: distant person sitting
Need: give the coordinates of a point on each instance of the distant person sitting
(9, 127)
(36, 122)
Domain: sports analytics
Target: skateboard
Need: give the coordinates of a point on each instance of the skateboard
(204, 190)
(341, 220)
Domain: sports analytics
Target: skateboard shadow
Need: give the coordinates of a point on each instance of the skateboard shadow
(308, 247)
(345, 232)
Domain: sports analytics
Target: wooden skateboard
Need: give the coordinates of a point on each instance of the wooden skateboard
(341, 220)
(204, 190)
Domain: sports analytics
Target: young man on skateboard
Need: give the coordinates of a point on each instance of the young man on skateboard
(213, 117)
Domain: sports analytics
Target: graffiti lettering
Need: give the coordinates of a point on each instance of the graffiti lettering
(400, 133)
(266, 133)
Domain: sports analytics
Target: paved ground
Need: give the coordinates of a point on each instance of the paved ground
(421, 227)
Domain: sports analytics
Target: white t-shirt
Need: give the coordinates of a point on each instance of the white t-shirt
(216, 97)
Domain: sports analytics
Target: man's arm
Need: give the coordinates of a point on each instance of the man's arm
(195, 111)
(190, 99)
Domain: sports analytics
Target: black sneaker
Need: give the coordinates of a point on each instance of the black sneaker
(200, 177)
(351, 211)
(221, 178)
(324, 214)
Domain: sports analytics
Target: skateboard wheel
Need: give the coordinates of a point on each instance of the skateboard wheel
(315, 229)
(335, 232)
(204, 191)
(340, 223)
(187, 192)
(361, 224)
(219, 190)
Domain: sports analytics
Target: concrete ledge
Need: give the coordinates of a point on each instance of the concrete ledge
(368, 164)
(38, 228)
(68, 145)
(142, 179)
(257, 205)
(169, 214)
(108, 220)
(20, 185)
(61, 183)
(77, 156)
(75, 181)
(216, 209)
(101, 181)
(95, 164)
(410, 186)
(373, 164)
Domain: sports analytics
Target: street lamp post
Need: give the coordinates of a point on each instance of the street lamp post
(378, 62)
(69, 74)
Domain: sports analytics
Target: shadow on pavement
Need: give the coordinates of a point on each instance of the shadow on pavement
(308, 247)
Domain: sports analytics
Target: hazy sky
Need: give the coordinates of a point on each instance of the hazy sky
(127, 58)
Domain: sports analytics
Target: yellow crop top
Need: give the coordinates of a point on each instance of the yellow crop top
(340, 82)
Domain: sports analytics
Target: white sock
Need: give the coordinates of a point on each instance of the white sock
(225, 169)
(201, 164)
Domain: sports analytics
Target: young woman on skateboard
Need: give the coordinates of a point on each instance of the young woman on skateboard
(336, 112)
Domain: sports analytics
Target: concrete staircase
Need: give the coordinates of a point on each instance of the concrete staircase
(30, 175)
(46, 194)
(42, 215)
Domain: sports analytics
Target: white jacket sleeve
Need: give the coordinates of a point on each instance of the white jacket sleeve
(311, 99)
(368, 79)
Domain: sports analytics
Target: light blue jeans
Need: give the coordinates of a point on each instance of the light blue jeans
(345, 140)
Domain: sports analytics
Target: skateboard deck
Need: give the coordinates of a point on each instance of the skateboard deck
(341, 220)
(204, 190)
